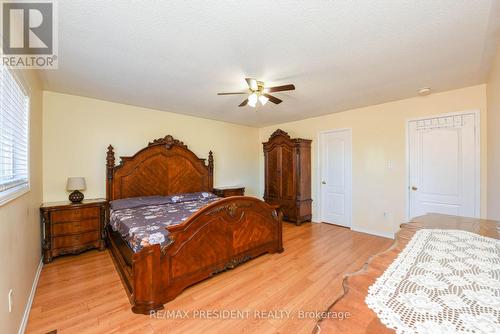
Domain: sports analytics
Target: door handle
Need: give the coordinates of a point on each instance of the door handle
(323, 182)
(414, 188)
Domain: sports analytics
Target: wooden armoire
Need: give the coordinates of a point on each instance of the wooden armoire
(287, 169)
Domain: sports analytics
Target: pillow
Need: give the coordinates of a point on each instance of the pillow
(190, 197)
(136, 202)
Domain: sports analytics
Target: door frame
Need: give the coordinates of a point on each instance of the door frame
(477, 159)
(349, 177)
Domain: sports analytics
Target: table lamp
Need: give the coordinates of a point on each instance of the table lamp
(75, 184)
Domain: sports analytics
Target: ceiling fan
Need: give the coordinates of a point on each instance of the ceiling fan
(257, 92)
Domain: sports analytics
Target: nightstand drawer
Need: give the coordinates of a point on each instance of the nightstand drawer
(75, 215)
(75, 240)
(75, 227)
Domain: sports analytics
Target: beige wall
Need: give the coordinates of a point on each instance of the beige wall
(20, 226)
(493, 97)
(378, 136)
(77, 131)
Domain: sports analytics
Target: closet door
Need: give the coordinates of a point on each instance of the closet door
(443, 166)
(273, 189)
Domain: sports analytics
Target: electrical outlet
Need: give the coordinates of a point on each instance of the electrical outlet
(11, 295)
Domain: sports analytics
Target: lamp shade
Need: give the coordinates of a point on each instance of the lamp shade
(76, 183)
(252, 100)
(263, 99)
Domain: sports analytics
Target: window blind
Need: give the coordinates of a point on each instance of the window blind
(14, 117)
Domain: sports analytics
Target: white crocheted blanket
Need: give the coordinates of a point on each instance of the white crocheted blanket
(444, 281)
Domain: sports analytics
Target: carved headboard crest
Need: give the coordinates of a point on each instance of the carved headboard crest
(168, 141)
(279, 132)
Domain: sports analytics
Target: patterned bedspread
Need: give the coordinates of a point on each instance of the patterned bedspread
(142, 221)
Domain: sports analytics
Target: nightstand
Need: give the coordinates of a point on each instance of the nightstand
(71, 228)
(229, 191)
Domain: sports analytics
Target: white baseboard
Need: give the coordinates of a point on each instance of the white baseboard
(377, 233)
(27, 310)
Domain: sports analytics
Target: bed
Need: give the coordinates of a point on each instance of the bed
(219, 234)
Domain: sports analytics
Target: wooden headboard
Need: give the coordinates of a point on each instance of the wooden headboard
(166, 166)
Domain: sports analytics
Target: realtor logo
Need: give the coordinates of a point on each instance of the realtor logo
(29, 32)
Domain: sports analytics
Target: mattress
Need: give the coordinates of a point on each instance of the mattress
(143, 221)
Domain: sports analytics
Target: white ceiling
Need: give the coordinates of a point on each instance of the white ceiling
(176, 55)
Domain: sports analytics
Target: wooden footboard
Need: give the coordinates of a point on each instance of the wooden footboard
(221, 236)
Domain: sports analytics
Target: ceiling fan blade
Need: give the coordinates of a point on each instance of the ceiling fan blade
(235, 93)
(273, 99)
(252, 83)
(244, 103)
(279, 88)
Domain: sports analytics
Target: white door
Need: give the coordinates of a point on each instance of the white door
(335, 164)
(444, 165)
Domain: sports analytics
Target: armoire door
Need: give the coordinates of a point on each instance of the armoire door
(272, 173)
(287, 173)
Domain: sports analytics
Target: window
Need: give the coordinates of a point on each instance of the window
(14, 124)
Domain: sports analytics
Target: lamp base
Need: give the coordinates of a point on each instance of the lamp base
(76, 196)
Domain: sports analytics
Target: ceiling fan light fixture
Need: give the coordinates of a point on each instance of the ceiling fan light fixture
(252, 100)
(259, 93)
(263, 99)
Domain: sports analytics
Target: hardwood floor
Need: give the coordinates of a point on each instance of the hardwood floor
(84, 294)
